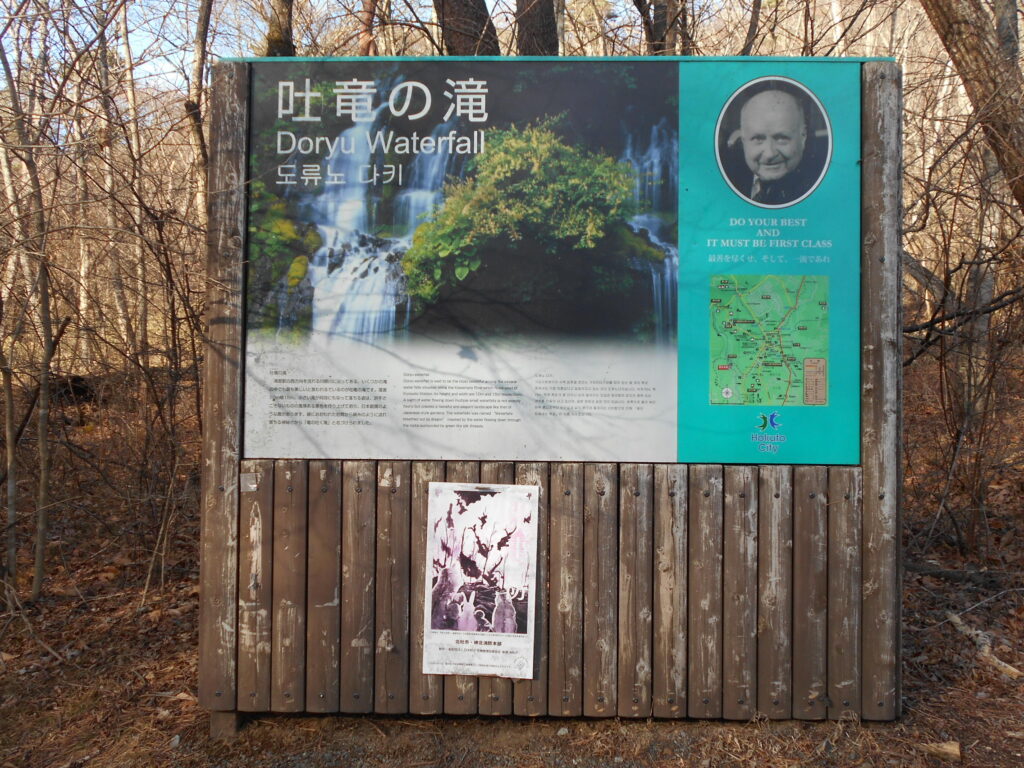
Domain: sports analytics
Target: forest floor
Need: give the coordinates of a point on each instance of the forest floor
(101, 672)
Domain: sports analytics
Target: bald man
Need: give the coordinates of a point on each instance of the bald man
(773, 133)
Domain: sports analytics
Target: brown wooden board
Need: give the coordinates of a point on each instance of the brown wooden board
(565, 660)
(739, 604)
(670, 590)
(496, 692)
(531, 695)
(844, 591)
(775, 592)
(810, 592)
(636, 588)
(255, 569)
(288, 651)
(358, 555)
(461, 692)
(704, 695)
(323, 597)
(881, 389)
(600, 589)
(222, 387)
(426, 692)
(391, 668)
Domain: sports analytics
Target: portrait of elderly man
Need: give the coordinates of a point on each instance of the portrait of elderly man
(773, 142)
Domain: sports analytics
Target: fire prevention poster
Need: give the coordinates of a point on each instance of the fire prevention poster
(592, 260)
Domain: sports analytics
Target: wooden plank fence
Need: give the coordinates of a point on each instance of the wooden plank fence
(666, 590)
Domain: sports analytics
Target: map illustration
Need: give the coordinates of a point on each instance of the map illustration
(769, 340)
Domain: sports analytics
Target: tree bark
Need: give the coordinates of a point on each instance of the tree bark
(279, 29)
(537, 31)
(993, 83)
(466, 28)
(366, 15)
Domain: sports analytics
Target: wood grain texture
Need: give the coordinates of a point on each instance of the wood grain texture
(844, 591)
(288, 651)
(565, 660)
(496, 692)
(255, 596)
(775, 592)
(636, 588)
(391, 666)
(704, 695)
(881, 389)
(739, 609)
(461, 692)
(323, 596)
(810, 592)
(531, 696)
(358, 571)
(670, 590)
(600, 589)
(426, 692)
(222, 388)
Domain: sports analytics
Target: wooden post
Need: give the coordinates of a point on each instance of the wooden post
(881, 389)
(222, 385)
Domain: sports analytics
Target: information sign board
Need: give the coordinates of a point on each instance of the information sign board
(599, 260)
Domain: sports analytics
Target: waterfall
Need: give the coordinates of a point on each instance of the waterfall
(656, 165)
(425, 189)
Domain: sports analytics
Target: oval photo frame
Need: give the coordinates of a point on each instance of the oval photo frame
(815, 159)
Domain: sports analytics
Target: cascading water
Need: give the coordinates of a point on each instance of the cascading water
(425, 189)
(657, 169)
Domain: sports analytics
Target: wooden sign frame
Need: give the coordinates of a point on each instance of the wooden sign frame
(700, 591)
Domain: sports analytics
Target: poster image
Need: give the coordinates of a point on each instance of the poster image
(481, 559)
(463, 258)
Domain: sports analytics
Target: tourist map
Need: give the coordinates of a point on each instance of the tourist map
(769, 340)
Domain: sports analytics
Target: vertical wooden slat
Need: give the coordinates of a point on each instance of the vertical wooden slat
(461, 692)
(600, 589)
(739, 610)
(496, 692)
(844, 590)
(531, 695)
(565, 661)
(426, 692)
(775, 592)
(358, 524)
(222, 387)
(391, 676)
(881, 389)
(288, 652)
(810, 591)
(256, 558)
(323, 597)
(704, 696)
(636, 588)
(670, 590)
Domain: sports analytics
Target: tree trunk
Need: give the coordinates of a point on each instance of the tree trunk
(537, 31)
(993, 83)
(366, 15)
(466, 28)
(279, 29)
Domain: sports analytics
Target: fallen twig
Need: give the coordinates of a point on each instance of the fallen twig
(984, 643)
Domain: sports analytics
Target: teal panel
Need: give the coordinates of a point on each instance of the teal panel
(769, 283)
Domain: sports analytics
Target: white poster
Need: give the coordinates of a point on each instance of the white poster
(481, 570)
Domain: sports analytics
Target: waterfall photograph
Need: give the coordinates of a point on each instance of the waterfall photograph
(378, 209)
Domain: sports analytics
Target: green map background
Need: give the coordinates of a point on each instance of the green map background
(768, 324)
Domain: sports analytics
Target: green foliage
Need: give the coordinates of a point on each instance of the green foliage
(529, 188)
